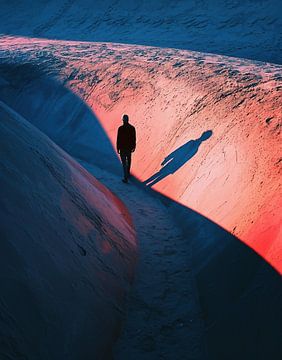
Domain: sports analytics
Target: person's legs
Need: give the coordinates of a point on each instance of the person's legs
(123, 157)
(128, 163)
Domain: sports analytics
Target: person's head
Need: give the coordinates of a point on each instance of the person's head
(125, 118)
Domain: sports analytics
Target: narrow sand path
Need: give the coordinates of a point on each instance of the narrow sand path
(163, 316)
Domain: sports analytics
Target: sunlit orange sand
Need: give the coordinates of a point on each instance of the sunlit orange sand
(173, 97)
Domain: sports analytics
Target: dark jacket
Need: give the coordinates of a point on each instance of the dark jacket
(126, 138)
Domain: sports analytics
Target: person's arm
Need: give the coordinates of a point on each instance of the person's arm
(118, 141)
(134, 140)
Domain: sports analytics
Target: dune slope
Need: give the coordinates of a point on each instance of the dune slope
(208, 144)
(69, 251)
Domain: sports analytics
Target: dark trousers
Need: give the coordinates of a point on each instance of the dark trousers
(125, 156)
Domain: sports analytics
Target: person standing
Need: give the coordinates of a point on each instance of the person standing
(126, 144)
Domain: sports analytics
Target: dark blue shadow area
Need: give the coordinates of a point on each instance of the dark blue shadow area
(178, 158)
(240, 293)
(247, 29)
(35, 94)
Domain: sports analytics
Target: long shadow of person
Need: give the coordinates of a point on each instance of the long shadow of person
(177, 158)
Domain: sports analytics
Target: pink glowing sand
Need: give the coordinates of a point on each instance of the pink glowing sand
(172, 97)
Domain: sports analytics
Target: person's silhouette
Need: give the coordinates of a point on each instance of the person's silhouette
(126, 144)
(177, 158)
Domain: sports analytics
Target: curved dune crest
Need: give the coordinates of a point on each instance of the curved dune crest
(173, 97)
(207, 128)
